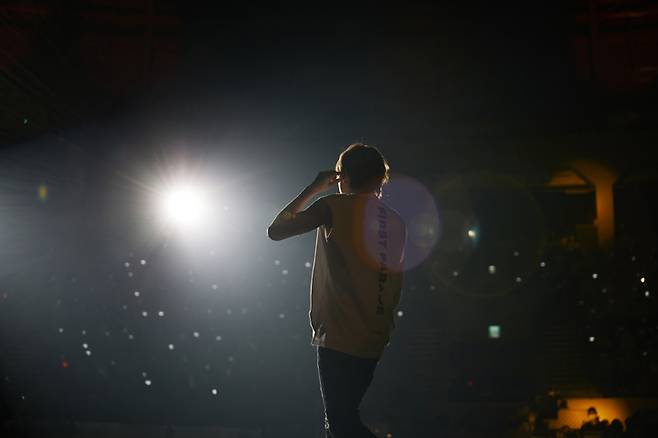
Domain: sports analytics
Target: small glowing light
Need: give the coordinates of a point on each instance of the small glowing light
(307, 264)
(492, 269)
(642, 280)
(516, 253)
(195, 334)
(160, 313)
(218, 338)
(25, 120)
(142, 262)
(647, 293)
(170, 346)
(130, 274)
(592, 339)
(284, 272)
(147, 382)
(400, 313)
(595, 276)
(542, 264)
(455, 273)
(144, 374)
(214, 391)
(145, 313)
(42, 192)
(126, 264)
(85, 345)
(277, 262)
(518, 279)
(88, 352)
(472, 234)
(282, 315)
(61, 330)
(131, 336)
(137, 293)
(494, 331)
(84, 332)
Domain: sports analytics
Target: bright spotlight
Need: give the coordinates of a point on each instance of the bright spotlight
(185, 205)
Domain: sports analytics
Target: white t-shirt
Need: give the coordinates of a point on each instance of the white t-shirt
(357, 275)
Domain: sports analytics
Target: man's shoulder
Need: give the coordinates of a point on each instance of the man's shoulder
(333, 198)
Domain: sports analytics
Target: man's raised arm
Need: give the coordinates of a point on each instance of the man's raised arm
(292, 220)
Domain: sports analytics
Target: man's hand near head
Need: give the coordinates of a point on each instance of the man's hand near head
(292, 220)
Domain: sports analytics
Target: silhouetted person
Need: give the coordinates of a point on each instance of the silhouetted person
(616, 429)
(356, 279)
(592, 423)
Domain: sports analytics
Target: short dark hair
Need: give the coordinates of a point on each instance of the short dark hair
(364, 165)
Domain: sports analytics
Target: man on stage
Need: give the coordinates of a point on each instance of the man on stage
(356, 280)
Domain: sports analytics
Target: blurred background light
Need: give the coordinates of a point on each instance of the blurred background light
(494, 331)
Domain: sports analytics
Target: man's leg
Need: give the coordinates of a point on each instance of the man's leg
(344, 380)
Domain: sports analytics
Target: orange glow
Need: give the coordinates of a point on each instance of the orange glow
(603, 179)
(567, 178)
(608, 409)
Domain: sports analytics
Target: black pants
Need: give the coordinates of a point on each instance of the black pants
(344, 380)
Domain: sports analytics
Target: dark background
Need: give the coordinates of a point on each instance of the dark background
(102, 101)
